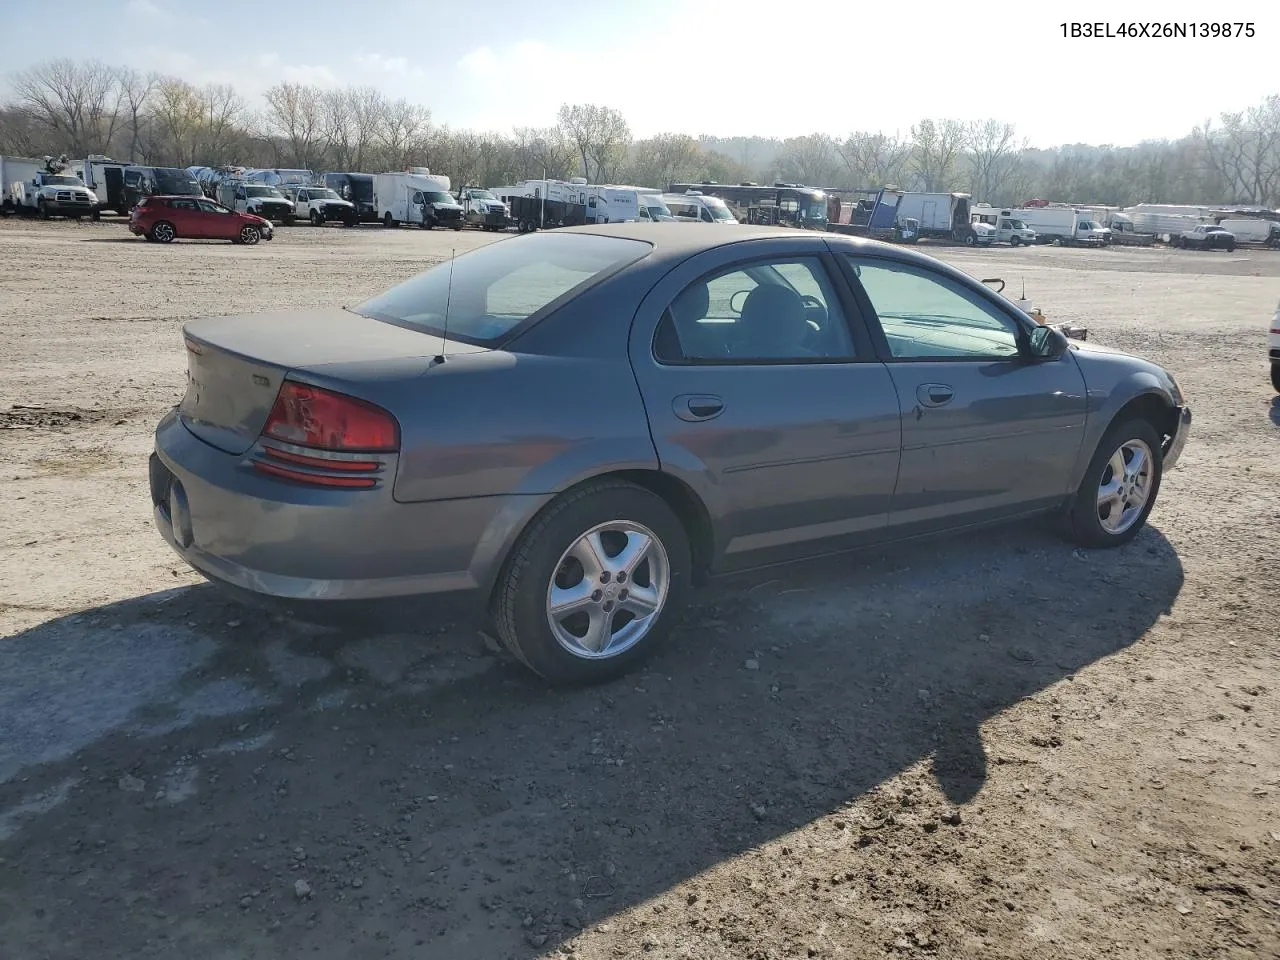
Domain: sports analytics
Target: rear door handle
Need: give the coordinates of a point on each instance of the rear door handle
(934, 394)
(695, 407)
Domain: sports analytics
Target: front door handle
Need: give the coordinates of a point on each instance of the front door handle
(934, 394)
(695, 407)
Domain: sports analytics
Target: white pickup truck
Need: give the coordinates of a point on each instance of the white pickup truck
(481, 208)
(321, 205)
(54, 195)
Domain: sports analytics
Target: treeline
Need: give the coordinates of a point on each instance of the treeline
(81, 108)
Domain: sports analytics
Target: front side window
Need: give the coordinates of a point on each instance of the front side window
(760, 312)
(208, 206)
(497, 287)
(926, 316)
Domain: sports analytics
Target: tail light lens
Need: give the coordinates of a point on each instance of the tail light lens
(325, 420)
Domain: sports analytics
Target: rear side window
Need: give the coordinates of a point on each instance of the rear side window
(498, 287)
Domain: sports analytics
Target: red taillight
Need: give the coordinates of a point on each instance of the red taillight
(324, 420)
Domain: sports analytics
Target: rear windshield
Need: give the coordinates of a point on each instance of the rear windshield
(497, 287)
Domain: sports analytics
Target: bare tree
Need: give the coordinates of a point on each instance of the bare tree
(542, 153)
(874, 159)
(403, 132)
(78, 103)
(937, 145)
(993, 152)
(296, 112)
(600, 136)
(664, 159)
(136, 90)
(812, 160)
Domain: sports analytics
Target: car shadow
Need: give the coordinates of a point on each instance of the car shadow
(1274, 412)
(209, 773)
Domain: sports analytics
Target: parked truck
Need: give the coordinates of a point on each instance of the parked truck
(481, 208)
(358, 189)
(320, 205)
(1008, 228)
(1065, 226)
(1253, 230)
(48, 194)
(15, 170)
(417, 198)
(257, 198)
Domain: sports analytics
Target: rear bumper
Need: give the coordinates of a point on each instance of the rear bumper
(1179, 440)
(285, 541)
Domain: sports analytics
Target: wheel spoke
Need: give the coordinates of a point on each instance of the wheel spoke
(567, 600)
(633, 554)
(590, 552)
(1108, 492)
(641, 601)
(599, 630)
(1117, 464)
(1136, 463)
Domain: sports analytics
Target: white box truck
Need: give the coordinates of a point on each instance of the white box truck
(15, 170)
(1065, 226)
(1008, 228)
(418, 198)
(1253, 230)
(944, 216)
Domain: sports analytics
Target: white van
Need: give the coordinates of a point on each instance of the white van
(695, 207)
(1251, 230)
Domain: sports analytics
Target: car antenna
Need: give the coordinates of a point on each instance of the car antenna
(448, 296)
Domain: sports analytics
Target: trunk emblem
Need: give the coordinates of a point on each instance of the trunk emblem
(261, 380)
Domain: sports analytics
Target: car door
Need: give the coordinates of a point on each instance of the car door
(767, 400)
(986, 428)
(217, 222)
(186, 218)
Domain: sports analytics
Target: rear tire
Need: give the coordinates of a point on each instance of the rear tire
(162, 232)
(387, 221)
(1085, 522)
(1275, 376)
(543, 560)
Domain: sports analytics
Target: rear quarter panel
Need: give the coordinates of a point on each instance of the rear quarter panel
(557, 407)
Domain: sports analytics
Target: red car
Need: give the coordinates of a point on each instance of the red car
(161, 219)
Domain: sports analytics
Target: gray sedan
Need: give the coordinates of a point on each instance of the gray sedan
(575, 426)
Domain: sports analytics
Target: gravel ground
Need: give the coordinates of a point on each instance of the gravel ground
(985, 747)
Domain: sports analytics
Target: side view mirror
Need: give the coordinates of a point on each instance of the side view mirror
(1047, 343)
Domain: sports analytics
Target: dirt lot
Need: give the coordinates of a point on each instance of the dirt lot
(989, 747)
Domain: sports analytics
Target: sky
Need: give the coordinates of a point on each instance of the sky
(701, 66)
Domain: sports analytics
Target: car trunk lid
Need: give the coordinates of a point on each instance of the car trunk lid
(235, 365)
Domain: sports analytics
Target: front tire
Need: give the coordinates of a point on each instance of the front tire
(1119, 488)
(315, 218)
(1275, 376)
(250, 235)
(592, 587)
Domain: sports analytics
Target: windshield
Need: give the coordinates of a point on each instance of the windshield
(62, 181)
(497, 287)
(657, 209)
(324, 194)
(177, 182)
(264, 192)
(482, 195)
(718, 210)
(815, 208)
(436, 196)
